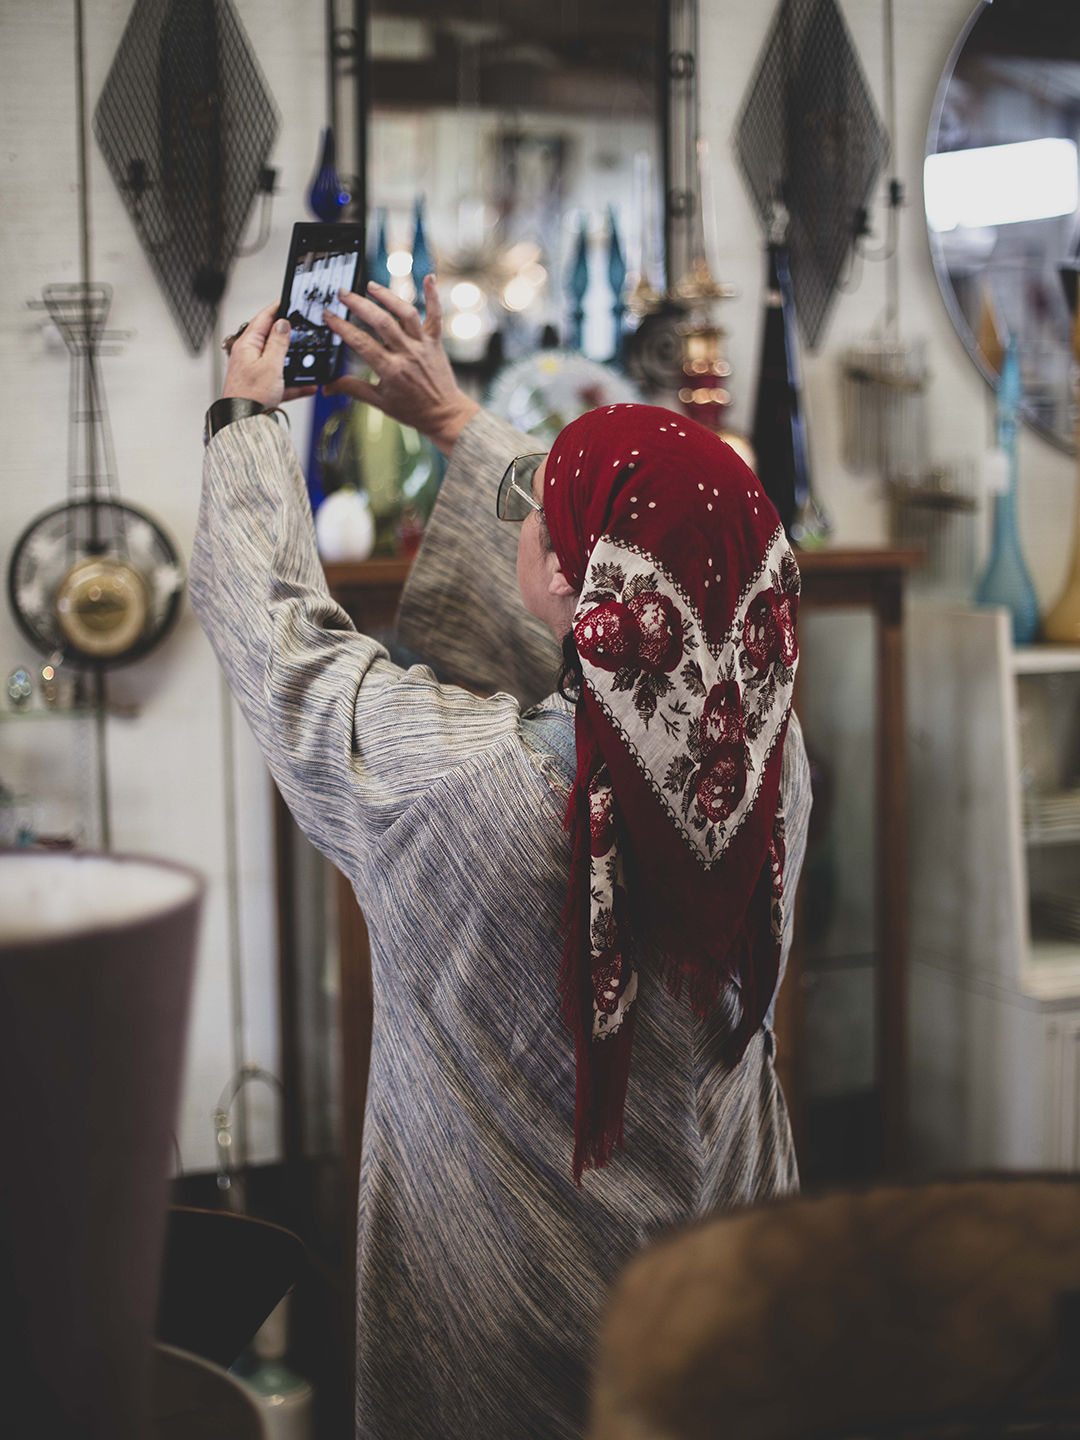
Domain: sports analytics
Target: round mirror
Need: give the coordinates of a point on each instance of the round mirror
(1003, 200)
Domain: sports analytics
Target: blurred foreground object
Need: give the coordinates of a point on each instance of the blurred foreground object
(928, 1310)
(1062, 624)
(96, 962)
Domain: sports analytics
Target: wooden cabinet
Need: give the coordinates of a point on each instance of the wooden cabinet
(866, 579)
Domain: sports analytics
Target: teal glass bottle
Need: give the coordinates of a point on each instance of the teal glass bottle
(422, 263)
(1006, 580)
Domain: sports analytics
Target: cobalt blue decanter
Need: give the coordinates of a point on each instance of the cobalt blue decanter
(327, 196)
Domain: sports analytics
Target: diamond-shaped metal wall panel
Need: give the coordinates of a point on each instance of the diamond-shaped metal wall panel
(186, 124)
(810, 137)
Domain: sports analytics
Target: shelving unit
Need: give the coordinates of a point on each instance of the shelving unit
(994, 750)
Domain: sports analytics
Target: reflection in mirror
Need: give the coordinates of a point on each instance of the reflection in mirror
(524, 127)
(1002, 197)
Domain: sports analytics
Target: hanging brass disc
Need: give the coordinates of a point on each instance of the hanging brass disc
(101, 606)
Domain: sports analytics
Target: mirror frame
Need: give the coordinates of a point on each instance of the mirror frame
(960, 324)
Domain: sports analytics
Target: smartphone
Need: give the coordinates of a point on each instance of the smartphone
(323, 259)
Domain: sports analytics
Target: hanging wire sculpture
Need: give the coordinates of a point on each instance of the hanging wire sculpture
(186, 125)
(809, 139)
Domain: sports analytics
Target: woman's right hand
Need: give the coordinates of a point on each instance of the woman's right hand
(416, 384)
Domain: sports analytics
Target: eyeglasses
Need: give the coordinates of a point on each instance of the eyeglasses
(514, 500)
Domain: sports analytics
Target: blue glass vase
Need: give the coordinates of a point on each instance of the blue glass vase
(422, 263)
(1006, 580)
(380, 261)
(327, 196)
(617, 280)
(578, 284)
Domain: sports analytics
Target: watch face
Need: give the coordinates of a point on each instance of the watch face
(102, 606)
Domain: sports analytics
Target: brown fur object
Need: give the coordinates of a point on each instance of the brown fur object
(818, 1314)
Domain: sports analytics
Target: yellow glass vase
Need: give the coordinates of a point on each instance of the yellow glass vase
(1062, 625)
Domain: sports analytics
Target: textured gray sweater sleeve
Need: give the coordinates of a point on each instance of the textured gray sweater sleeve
(351, 739)
(461, 608)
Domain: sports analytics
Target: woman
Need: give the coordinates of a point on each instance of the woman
(541, 1099)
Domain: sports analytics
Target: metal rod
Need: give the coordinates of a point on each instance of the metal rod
(331, 69)
(100, 711)
(892, 260)
(663, 77)
(84, 267)
(361, 94)
(84, 187)
(232, 845)
(232, 889)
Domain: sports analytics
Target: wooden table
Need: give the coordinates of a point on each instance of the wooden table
(867, 579)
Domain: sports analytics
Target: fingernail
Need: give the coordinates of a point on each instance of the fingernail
(371, 285)
(282, 326)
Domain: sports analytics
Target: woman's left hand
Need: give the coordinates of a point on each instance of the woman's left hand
(257, 362)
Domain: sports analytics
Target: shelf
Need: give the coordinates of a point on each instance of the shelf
(366, 574)
(1036, 839)
(1053, 970)
(72, 712)
(1045, 659)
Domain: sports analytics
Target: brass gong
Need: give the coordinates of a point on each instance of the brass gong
(102, 606)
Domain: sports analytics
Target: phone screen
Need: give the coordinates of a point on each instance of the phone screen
(323, 259)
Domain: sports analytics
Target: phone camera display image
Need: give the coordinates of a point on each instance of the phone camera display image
(322, 260)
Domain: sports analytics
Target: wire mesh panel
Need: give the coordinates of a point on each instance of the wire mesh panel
(186, 125)
(810, 142)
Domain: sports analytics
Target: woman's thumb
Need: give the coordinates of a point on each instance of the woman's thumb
(279, 337)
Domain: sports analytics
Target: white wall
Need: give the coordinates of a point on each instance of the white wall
(166, 766)
(732, 33)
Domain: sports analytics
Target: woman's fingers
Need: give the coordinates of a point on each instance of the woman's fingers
(363, 344)
(433, 315)
(299, 392)
(406, 313)
(357, 388)
(253, 336)
(385, 326)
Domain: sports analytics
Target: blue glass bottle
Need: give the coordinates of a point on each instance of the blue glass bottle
(422, 263)
(1006, 580)
(617, 280)
(578, 284)
(327, 196)
(380, 261)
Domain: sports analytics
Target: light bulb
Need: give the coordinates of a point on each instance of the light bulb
(465, 325)
(465, 295)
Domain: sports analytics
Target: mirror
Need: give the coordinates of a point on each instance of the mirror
(1002, 201)
(520, 125)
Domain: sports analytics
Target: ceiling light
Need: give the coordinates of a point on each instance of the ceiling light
(465, 326)
(1001, 184)
(465, 295)
(518, 295)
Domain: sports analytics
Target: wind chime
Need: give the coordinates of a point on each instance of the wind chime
(94, 583)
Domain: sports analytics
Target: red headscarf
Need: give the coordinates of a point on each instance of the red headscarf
(686, 632)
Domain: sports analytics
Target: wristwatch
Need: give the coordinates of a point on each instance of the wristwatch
(224, 412)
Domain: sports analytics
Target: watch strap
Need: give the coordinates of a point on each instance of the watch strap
(224, 412)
